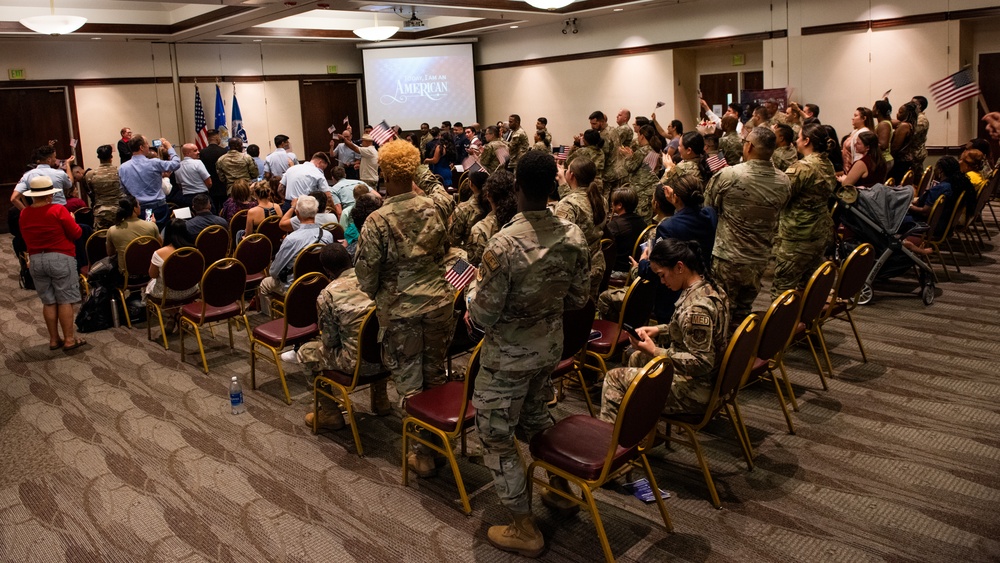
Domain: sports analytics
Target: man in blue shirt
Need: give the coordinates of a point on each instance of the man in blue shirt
(142, 176)
(308, 233)
(45, 160)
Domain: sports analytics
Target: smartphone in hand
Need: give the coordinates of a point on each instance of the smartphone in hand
(631, 332)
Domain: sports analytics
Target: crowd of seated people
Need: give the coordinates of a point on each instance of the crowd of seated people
(723, 203)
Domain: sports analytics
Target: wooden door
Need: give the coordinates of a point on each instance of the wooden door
(989, 85)
(719, 89)
(753, 80)
(32, 116)
(325, 103)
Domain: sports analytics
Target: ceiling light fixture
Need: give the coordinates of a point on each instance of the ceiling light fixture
(376, 32)
(53, 24)
(549, 4)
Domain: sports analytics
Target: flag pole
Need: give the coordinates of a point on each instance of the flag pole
(982, 104)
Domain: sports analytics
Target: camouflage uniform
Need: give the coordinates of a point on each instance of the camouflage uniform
(488, 159)
(695, 341)
(480, 235)
(625, 135)
(613, 173)
(747, 198)
(784, 157)
(342, 306)
(540, 146)
(548, 136)
(575, 208)
(518, 145)
(107, 190)
(399, 264)
(805, 226)
(234, 166)
(732, 148)
(462, 220)
(533, 268)
(642, 180)
(684, 167)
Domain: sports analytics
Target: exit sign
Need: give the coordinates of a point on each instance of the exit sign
(739, 59)
(16, 74)
(331, 69)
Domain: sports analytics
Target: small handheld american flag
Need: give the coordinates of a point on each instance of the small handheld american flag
(562, 152)
(460, 274)
(382, 133)
(716, 162)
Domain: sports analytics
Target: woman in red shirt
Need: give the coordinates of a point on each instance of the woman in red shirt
(49, 231)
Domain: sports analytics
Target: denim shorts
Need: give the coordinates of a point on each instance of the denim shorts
(56, 278)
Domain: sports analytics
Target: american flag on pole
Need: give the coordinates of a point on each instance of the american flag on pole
(716, 162)
(954, 89)
(382, 133)
(460, 274)
(200, 125)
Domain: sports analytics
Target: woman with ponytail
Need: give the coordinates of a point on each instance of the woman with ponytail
(694, 340)
(805, 227)
(128, 227)
(692, 151)
(590, 146)
(584, 206)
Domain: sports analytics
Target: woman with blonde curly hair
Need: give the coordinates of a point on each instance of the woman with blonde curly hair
(398, 262)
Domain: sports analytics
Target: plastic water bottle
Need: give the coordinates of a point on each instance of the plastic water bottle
(236, 396)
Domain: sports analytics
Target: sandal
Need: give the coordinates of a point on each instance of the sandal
(76, 344)
(59, 344)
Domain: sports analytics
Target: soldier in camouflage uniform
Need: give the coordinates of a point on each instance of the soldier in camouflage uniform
(691, 149)
(695, 340)
(747, 198)
(235, 165)
(624, 130)
(584, 206)
(105, 188)
(518, 143)
(469, 212)
(342, 306)
(640, 175)
(533, 268)
(805, 227)
(730, 143)
(499, 190)
(590, 146)
(612, 174)
(399, 264)
(785, 154)
(489, 158)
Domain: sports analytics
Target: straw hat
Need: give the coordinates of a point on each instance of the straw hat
(40, 186)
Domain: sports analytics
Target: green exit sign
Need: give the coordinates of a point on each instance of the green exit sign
(331, 69)
(16, 74)
(739, 59)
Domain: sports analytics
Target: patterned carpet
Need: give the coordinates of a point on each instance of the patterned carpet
(120, 452)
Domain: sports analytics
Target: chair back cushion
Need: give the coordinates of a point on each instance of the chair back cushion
(576, 329)
(223, 282)
(643, 402)
(213, 243)
(308, 261)
(638, 304)
(369, 347)
(610, 252)
(854, 273)
(472, 372)
(254, 252)
(817, 291)
(779, 324)
(97, 246)
(182, 270)
(739, 358)
(270, 229)
(138, 256)
(300, 301)
(238, 223)
(334, 229)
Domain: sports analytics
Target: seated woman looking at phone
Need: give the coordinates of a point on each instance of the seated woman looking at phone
(695, 339)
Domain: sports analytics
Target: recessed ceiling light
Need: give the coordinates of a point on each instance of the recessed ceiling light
(619, 9)
(513, 27)
(257, 40)
(96, 38)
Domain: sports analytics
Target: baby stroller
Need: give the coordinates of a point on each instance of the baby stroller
(875, 216)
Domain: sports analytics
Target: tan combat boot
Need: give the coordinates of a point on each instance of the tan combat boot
(380, 398)
(522, 537)
(331, 419)
(558, 503)
(421, 463)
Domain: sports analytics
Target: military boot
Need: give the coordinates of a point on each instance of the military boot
(522, 537)
(331, 419)
(380, 398)
(554, 501)
(421, 463)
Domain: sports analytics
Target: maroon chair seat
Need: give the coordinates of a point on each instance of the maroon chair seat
(439, 406)
(564, 367)
(759, 368)
(607, 341)
(579, 444)
(193, 311)
(255, 278)
(270, 333)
